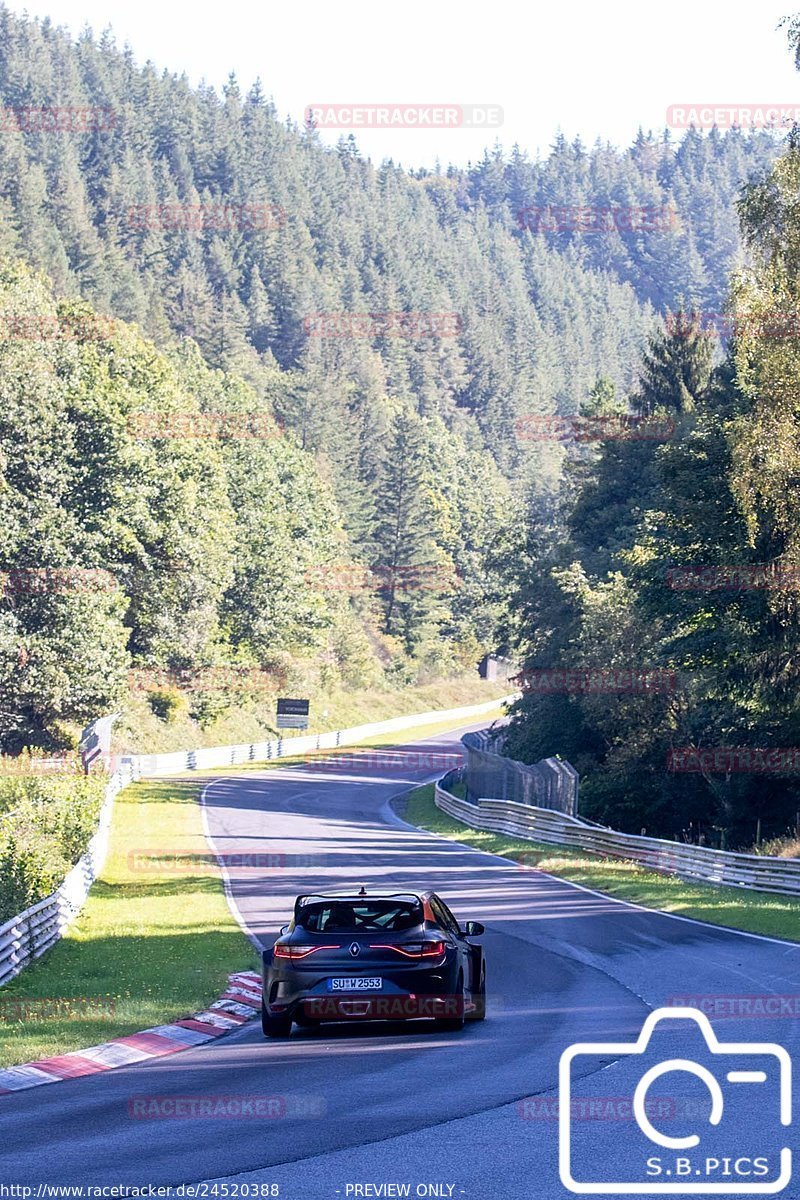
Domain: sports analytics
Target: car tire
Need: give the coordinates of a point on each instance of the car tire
(453, 1024)
(306, 1022)
(275, 1027)
(479, 999)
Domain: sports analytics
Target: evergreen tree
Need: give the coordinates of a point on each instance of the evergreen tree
(406, 563)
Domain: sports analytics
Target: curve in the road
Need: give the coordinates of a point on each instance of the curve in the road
(408, 1103)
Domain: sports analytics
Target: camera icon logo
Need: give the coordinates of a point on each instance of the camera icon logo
(727, 1102)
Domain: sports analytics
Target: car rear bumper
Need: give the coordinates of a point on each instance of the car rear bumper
(412, 993)
(380, 1008)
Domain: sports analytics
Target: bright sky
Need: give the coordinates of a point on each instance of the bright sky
(594, 68)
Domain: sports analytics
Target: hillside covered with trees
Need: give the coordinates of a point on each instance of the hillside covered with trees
(658, 610)
(361, 485)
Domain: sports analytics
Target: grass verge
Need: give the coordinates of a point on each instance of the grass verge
(147, 947)
(141, 731)
(401, 737)
(736, 908)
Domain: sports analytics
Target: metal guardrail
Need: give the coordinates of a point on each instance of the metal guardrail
(146, 766)
(756, 872)
(29, 934)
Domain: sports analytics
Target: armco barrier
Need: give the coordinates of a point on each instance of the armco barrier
(30, 933)
(149, 765)
(754, 871)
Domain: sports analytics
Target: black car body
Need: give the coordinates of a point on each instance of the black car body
(385, 957)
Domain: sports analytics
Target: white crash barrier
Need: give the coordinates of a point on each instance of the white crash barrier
(754, 871)
(30, 933)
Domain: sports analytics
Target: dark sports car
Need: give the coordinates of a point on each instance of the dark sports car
(382, 957)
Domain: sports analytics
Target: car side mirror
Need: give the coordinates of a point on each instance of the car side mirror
(474, 929)
(284, 931)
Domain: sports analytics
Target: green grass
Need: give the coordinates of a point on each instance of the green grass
(147, 947)
(400, 737)
(756, 912)
(140, 731)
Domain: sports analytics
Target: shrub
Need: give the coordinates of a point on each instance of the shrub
(167, 704)
(31, 867)
(45, 827)
(782, 847)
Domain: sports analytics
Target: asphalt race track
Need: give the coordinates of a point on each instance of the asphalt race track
(357, 1108)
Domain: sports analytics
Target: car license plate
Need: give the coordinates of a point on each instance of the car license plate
(355, 983)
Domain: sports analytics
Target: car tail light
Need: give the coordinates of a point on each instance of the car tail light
(282, 950)
(416, 949)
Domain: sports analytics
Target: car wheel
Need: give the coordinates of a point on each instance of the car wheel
(479, 999)
(453, 1024)
(306, 1022)
(275, 1027)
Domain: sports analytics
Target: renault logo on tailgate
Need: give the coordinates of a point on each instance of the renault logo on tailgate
(355, 949)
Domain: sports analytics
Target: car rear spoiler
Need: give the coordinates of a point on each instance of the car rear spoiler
(302, 901)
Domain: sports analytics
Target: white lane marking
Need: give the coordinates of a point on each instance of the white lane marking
(655, 912)
(232, 779)
(227, 883)
(226, 878)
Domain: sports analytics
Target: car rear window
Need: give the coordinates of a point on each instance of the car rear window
(350, 916)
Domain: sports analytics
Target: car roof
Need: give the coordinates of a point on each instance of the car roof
(415, 897)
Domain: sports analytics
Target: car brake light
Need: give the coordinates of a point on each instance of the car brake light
(281, 950)
(416, 949)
